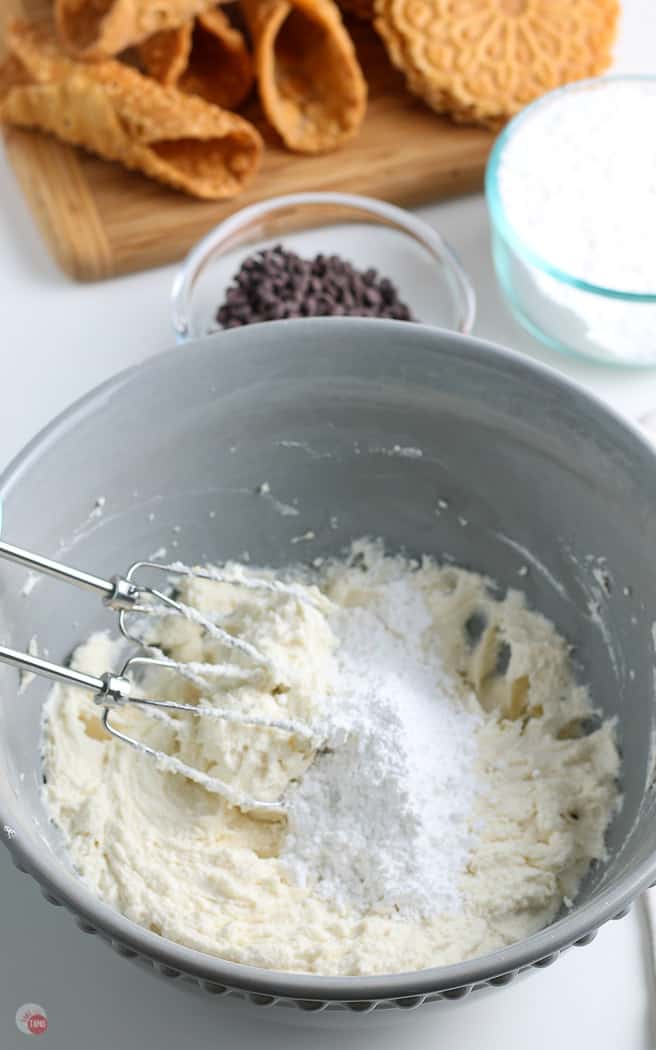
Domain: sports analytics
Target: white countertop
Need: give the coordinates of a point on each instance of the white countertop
(59, 339)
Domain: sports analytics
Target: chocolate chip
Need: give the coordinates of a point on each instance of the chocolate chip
(372, 297)
(275, 283)
(474, 627)
(504, 653)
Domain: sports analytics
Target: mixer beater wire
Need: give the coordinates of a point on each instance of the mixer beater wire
(114, 691)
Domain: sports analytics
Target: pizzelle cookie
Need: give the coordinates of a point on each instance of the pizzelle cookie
(310, 82)
(481, 61)
(206, 56)
(114, 111)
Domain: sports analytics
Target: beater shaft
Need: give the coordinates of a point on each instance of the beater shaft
(118, 593)
(109, 689)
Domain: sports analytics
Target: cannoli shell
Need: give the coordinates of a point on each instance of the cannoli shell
(96, 29)
(114, 111)
(206, 57)
(309, 79)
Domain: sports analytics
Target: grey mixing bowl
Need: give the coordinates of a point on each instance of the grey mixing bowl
(369, 423)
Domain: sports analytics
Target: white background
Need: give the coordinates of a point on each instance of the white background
(58, 340)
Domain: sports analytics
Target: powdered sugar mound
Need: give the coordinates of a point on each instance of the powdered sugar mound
(381, 818)
(577, 182)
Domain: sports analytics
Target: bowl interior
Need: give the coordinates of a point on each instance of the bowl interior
(359, 428)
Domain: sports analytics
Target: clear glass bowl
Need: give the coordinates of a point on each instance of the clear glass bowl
(563, 311)
(367, 232)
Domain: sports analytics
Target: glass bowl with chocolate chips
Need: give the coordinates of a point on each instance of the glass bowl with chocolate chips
(320, 255)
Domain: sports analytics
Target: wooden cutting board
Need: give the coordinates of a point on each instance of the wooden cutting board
(99, 220)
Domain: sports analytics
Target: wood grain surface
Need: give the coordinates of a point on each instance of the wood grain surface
(99, 220)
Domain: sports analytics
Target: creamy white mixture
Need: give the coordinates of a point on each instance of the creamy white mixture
(534, 800)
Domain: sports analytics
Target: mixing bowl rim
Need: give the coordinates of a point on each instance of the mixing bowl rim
(65, 887)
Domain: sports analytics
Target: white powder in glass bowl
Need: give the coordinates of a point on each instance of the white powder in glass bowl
(577, 184)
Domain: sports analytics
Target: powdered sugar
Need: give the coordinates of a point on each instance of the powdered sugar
(576, 180)
(381, 819)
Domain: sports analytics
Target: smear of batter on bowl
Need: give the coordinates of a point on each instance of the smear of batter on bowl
(451, 807)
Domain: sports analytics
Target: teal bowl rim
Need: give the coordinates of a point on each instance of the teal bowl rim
(499, 219)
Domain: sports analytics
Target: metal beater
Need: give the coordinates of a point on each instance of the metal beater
(111, 691)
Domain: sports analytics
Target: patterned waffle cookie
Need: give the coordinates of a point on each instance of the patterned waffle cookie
(483, 60)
